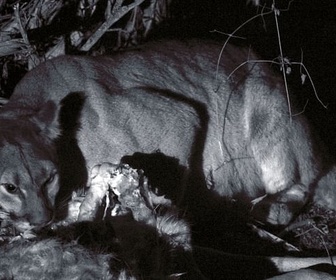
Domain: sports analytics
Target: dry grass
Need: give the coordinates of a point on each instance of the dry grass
(34, 31)
(314, 230)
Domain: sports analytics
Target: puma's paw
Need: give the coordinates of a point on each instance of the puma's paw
(282, 207)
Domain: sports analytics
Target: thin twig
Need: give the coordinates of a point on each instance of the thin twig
(276, 13)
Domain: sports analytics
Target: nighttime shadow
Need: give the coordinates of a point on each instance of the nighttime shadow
(215, 221)
(164, 173)
(72, 165)
(135, 247)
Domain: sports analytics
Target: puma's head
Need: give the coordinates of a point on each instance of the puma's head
(28, 171)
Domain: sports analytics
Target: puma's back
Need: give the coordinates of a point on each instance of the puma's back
(223, 118)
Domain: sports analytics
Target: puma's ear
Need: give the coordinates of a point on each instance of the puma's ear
(47, 120)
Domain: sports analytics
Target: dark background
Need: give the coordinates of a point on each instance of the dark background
(307, 28)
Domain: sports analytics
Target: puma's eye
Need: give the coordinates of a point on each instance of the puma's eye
(10, 188)
(49, 180)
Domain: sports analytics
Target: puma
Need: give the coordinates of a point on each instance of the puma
(234, 131)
